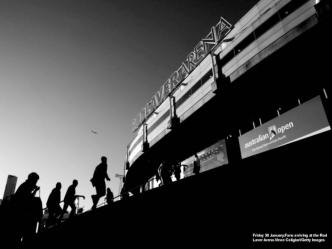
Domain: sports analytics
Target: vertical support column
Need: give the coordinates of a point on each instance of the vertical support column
(145, 133)
(172, 107)
(145, 145)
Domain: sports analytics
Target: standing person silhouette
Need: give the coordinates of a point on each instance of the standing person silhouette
(53, 204)
(21, 206)
(177, 170)
(166, 172)
(158, 177)
(109, 197)
(98, 181)
(197, 165)
(69, 200)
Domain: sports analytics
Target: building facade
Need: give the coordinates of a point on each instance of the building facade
(10, 186)
(262, 86)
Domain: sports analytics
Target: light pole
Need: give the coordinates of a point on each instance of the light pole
(120, 185)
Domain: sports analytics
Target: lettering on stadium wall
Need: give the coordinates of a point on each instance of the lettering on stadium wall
(216, 35)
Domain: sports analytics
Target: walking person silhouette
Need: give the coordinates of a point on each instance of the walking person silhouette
(98, 181)
(69, 200)
(53, 204)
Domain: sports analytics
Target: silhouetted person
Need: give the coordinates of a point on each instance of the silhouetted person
(124, 193)
(177, 171)
(109, 196)
(98, 181)
(158, 177)
(69, 200)
(166, 172)
(21, 205)
(159, 174)
(197, 165)
(53, 204)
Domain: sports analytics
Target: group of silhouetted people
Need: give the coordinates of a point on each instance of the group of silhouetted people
(22, 213)
(25, 210)
(53, 203)
(171, 167)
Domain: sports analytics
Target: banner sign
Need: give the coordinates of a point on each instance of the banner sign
(303, 121)
(203, 48)
(210, 158)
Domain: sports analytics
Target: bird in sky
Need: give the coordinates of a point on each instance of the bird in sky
(94, 132)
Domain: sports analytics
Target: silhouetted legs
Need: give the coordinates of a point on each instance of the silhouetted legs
(95, 200)
(101, 191)
(165, 177)
(53, 212)
(72, 212)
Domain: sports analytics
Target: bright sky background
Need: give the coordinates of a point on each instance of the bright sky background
(71, 66)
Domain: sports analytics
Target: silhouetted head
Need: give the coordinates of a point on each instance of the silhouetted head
(108, 190)
(103, 159)
(75, 183)
(58, 186)
(33, 178)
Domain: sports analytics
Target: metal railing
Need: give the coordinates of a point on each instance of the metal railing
(138, 186)
(120, 196)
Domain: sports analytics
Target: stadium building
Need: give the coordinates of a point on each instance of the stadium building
(245, 89)
(253, 101)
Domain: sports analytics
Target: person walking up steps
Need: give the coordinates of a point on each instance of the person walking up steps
(53, 204)
(69, 200)
(98, 181)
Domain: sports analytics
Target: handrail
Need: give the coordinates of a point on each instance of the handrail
(126, 192)
(140, 185)
(47, 207)
(104, 203)
(77, 196)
